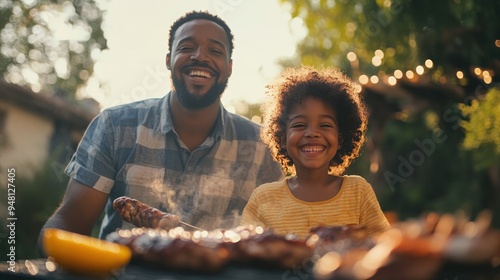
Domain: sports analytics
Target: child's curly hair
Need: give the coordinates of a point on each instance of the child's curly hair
(328, 85)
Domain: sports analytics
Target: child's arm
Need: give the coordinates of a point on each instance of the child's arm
(250, 214)
(371, 213)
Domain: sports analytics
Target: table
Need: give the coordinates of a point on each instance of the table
(37, 269)
(41, 269)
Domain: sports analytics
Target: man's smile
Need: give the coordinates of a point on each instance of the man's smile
(199, 74)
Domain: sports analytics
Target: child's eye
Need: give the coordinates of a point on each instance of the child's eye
(297, 125)
(327, 125)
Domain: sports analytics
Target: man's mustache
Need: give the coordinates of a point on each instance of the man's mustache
(200, 64)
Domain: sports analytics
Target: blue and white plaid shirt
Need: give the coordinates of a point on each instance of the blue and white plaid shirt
(134, 150)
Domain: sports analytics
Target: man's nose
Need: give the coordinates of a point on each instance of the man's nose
(199, 55)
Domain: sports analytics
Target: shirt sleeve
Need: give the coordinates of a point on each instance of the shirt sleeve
(91, 164)
(250, 214)
(371, 213)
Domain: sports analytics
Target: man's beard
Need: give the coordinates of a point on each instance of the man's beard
(191, 101)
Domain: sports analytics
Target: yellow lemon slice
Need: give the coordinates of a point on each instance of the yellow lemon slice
(84, 254)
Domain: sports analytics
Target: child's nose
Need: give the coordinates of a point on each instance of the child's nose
(312, 132)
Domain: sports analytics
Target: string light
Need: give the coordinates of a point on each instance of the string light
(351, 56)
(410, 74)
(497, 43)
(363, 79)
(419, 70)
(398, 74)
(428, 63)
(376, 61)
(392, 80)
(486, 75)
(379, 53)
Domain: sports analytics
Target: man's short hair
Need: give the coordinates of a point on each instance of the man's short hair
(200, 15)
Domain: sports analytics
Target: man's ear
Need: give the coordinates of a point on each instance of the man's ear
(230, 67)
(167, 61)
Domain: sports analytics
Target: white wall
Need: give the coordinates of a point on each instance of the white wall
(28, 140)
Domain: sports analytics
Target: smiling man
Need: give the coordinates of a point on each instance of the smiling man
(183, 153)
(200, 61)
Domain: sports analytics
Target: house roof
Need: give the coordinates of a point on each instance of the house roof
(51, 107)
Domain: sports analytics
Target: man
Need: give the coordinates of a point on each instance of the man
(183, 153)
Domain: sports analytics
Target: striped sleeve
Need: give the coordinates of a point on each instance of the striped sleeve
(250, 214)
(371, 214)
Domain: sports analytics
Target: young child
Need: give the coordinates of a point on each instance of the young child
(315, 125)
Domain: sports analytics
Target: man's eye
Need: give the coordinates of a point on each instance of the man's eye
(217, 51)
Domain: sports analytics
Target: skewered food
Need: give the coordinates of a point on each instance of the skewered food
(142, 215)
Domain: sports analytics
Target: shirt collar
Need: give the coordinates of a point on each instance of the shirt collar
(164, 118)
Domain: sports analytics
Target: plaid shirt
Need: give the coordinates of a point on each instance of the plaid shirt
(134, 150)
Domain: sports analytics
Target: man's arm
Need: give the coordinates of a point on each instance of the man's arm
(78, 212)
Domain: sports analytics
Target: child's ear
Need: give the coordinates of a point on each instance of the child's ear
(283, 143)
(340, 141)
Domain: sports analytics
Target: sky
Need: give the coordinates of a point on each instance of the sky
(134, 66)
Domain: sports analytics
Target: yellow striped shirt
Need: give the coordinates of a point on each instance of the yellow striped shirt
(272, 205)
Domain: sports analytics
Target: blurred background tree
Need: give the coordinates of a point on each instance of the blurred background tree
(50, 47)
(417, 62)
(51, 44)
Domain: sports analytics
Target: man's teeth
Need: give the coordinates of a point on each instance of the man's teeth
(200, 74)
(312, 148)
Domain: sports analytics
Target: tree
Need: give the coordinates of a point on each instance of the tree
(482, 137)
(50, 45)
(417, 61)
(386, 35)
(482, 126)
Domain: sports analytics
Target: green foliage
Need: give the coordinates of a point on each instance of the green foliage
(460, 35)
(50, 45)
(36, 200)
(453, 34)
(482, 127)
(432, 173)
